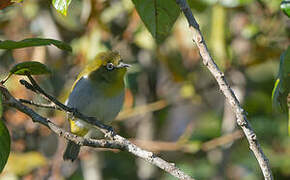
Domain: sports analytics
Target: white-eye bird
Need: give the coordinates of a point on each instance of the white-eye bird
(97, 92)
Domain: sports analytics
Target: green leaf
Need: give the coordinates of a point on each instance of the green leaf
(30, 67)
(275, 95)
(61, 5)
(282, 84)
(9, 44)
(285, 6)
(4, 144)
(158, 16)
(17, 1)
(281, 88)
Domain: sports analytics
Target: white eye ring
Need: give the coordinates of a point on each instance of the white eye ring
(110, 66)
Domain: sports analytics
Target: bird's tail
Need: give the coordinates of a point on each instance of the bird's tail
(72, 151)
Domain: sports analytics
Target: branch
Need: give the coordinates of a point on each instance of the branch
(158, 146)
(48, 106)
(107, 130)
(226, 90)
(117, 142)
(142, 109)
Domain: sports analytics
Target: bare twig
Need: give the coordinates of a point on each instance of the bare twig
(157, 146)
(226, 90)
(116, 142)
(107, 130)
(48, 106)
(223, 140)
(142, 109)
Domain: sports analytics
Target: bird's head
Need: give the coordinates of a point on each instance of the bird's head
(107, 67)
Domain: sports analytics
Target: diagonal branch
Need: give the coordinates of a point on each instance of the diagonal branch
(116, 142)
(48, 106)
(37, 89)
(226, 90)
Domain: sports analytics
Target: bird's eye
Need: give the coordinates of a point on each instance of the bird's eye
(110, 66)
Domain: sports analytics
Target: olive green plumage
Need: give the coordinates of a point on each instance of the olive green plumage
(98, 92)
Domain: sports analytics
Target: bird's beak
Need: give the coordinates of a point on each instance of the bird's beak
(123, 65)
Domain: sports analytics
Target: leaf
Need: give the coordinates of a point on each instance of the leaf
(282, 85)
(17, 1)
(285, 7)
(9, 44)
(158, 16)
(4, 144)
(198, 5)
(275, 95)
(23, 163)
(30, 67)
(5, 3)
(61, 5)
(281, 88)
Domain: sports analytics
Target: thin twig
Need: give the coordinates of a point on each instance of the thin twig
(227, 91)
(117, 141)
(142, 109)
(48, 106)
(107, 130)
(51, 98)
(223, 140)
(158, 146)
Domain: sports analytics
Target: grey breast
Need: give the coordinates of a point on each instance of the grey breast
(88, 99)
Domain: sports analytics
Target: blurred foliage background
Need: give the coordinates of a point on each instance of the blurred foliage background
(173, 106)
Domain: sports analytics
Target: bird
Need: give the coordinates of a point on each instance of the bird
(98, 92)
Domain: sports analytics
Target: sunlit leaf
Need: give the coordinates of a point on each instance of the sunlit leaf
(61, 5)
(4, 145)
(23, 163)
(30, 67)
(275, 94)
(17, 1)
(9, 44)
(285, 6)
(158, 16)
